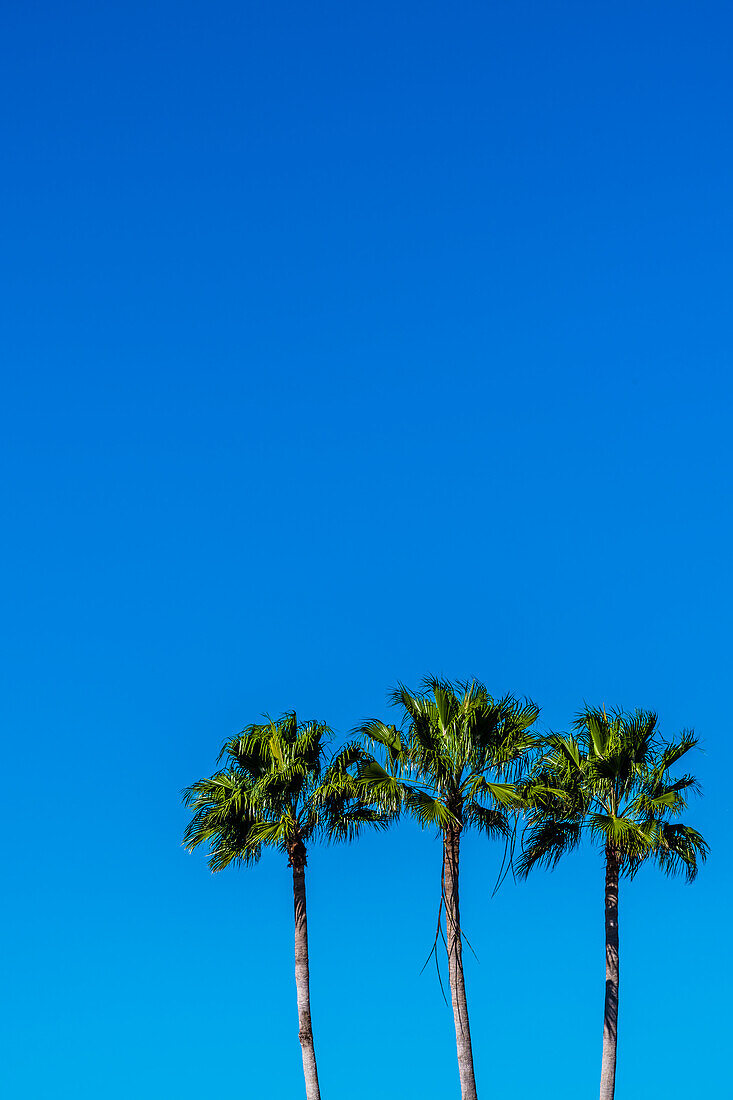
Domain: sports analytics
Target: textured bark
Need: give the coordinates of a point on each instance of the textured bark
(610, 1011)
(451, 852)
(302, 974)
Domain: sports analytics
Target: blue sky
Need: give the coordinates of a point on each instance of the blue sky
(345, 343)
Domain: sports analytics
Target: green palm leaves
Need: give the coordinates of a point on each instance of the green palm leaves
(611, 779)
(278, 788)
(456, 751)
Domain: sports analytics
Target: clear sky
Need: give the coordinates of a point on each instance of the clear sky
(342, 343)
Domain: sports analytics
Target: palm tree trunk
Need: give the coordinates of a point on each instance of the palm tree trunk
(302, 974)
(610, 1012)
(451, 850)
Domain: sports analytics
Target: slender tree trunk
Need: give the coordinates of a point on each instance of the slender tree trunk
(610, 1011)
(302, 974)
(451, 850)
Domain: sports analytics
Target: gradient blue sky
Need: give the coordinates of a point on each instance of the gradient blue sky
(345, 342)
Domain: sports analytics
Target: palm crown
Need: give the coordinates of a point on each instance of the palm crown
(452, 736)
(612, 779)
(278, 788)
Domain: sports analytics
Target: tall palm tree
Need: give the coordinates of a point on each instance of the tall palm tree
(611, 779)
(448, 764)
(277, 788)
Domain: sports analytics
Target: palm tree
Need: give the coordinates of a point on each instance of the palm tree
(278, 789)
(448, 765)
(611, 779)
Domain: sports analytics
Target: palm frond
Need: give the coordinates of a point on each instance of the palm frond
(430, 811)
(680, 850)
(375, 732)
(675, 750)
(630, 839)
(498, 794)
(492, 822)
(544, 842)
